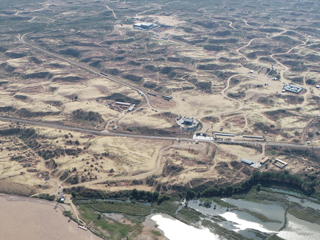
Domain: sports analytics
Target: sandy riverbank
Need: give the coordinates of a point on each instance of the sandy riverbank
(26, 218)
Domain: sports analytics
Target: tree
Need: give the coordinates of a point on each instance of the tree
(134, 193)
(190, 194)
(74, 194)
(99, 216)
(162, 198)
(155, 196)
(258, 187)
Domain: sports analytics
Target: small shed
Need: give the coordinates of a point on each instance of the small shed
(123, 103)
(263, 161)
(246, 161)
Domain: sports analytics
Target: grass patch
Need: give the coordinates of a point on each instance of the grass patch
(168, 207)
(45, 196)
(221, 231)
(307, 214)
(156, 233)
(189, 215)
(115, 229)
(222, 203)
(258, 197)
(119, 207)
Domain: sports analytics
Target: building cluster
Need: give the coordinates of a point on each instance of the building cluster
(129, 105)
(187, 123)
(120, 106)
(202, 137)
(150, 26)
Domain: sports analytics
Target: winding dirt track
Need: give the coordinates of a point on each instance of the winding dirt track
(158, 162)
(223, 92)
(114, 15)
(85, 68)
(272, 56)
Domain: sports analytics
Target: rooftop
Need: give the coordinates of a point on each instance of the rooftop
(145, 26)
(188, 120)
(246, 161)
(292, 88)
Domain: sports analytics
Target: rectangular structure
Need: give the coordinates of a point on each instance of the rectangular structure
(293, 89)
(131, 108)
(224, 134)
(168, 98)
(145, 26)
(188, 121)
(280, 164)
(246, 161)
(263, 161)
(123, 104)
(152, 94)
(256, 137)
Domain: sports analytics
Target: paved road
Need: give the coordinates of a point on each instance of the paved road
(86, 68)
(116, 134)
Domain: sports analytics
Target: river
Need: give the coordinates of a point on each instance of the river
(250, 219)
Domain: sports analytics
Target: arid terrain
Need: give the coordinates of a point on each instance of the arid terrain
(223, 63)
(17, 212)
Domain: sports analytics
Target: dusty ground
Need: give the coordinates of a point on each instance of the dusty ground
(205, 61)
(38, 220)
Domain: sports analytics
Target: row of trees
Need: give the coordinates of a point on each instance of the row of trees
(305, 185)
(141, 196)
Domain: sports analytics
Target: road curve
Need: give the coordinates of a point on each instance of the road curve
(223, 92)
(85, 68)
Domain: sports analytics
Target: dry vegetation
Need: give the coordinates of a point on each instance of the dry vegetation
(202, 51)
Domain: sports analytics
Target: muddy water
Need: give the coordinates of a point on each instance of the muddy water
(274, 212)
(304, 202)
(297, 229)
(247, 225)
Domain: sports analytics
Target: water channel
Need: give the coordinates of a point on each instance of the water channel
(250, 219)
